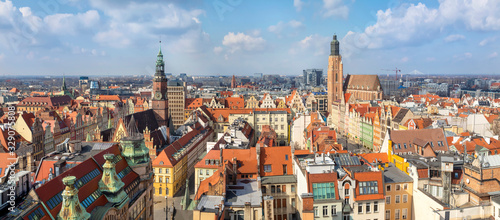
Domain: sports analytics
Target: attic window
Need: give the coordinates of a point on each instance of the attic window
(207, 162)
(161, 162)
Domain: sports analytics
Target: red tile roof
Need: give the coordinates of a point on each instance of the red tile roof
(213, 154)
(369, 176)
(276, 157)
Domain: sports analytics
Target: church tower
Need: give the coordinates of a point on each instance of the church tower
(160, 99)
(335, 73)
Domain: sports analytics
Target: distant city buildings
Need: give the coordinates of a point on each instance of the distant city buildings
(313, 77)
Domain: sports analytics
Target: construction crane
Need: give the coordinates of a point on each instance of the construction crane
(394, 70)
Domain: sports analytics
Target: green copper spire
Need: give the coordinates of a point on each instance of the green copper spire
(71, 208)
(110, 185)
(160, 64)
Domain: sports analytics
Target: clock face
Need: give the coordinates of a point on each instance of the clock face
(158, 95)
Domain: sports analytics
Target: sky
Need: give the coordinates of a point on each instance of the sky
(242, 37)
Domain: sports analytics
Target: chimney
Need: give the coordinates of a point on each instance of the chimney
(110, 185)
(71, 208)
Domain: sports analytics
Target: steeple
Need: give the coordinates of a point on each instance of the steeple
(71, 207)
(110, 185)
(63, 87)
(160, 65)
(334, 46)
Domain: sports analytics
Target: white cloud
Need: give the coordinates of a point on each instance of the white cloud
(243, 42)
(312, 44)
(335, 8)
(493, 55)
(468, 55)
(218, 50)
(71, 23)
(292, 28)
(133, 22)
(417, 24)
(298, 4)
(404, 59)
(487, 41)
(454, 37)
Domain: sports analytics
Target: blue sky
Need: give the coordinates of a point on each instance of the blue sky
(241, 37)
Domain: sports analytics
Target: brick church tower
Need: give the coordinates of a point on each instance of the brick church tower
(160, 99)
(335, 73)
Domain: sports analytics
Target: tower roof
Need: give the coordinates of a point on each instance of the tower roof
(334, 46)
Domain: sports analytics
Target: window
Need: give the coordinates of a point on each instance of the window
(283, 202)
(346, 192)
(263, 189)
(360, 208)
(167, 180)
(388, 200)
(293, 203)
(286, 156)
(396, 214)
(368, 210)
(325, 210)
(293, 188)
(284, 169)
(316, 211)
(375, 206)
(398, 198)
(405, 213)
(387, 214)
(282, 127)
(160, 180)
(267, 168)
(334, 210)
(201, 172)
(273, 189)
(405, 145)
(159, 170)
(208, 172)
(405, 186)
(323, 191)
(388, 188)
(398, 187)
(405, 198)
(283, 188)
(368, 187)
(278, 189)
(167, 171)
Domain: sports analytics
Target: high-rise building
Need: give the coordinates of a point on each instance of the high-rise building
(233, 83)
(177, 100)
(335, 72)
(160, 96)
(312, 77)
(83, 83)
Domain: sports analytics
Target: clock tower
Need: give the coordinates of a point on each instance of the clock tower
(160, 99)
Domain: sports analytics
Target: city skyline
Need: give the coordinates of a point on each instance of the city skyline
(229, 37)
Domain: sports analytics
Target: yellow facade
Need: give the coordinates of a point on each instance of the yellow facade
(399, 198)
(398, 161)
(163, 174)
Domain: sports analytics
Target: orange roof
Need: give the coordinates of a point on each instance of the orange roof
(369, 176)
(491, 118)
(371, 157)
(193, 103)
(213, 154)
(107, 98)
(14, 90)
(247, 159)
(276, 157)
(235, 102)
(302, 152)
